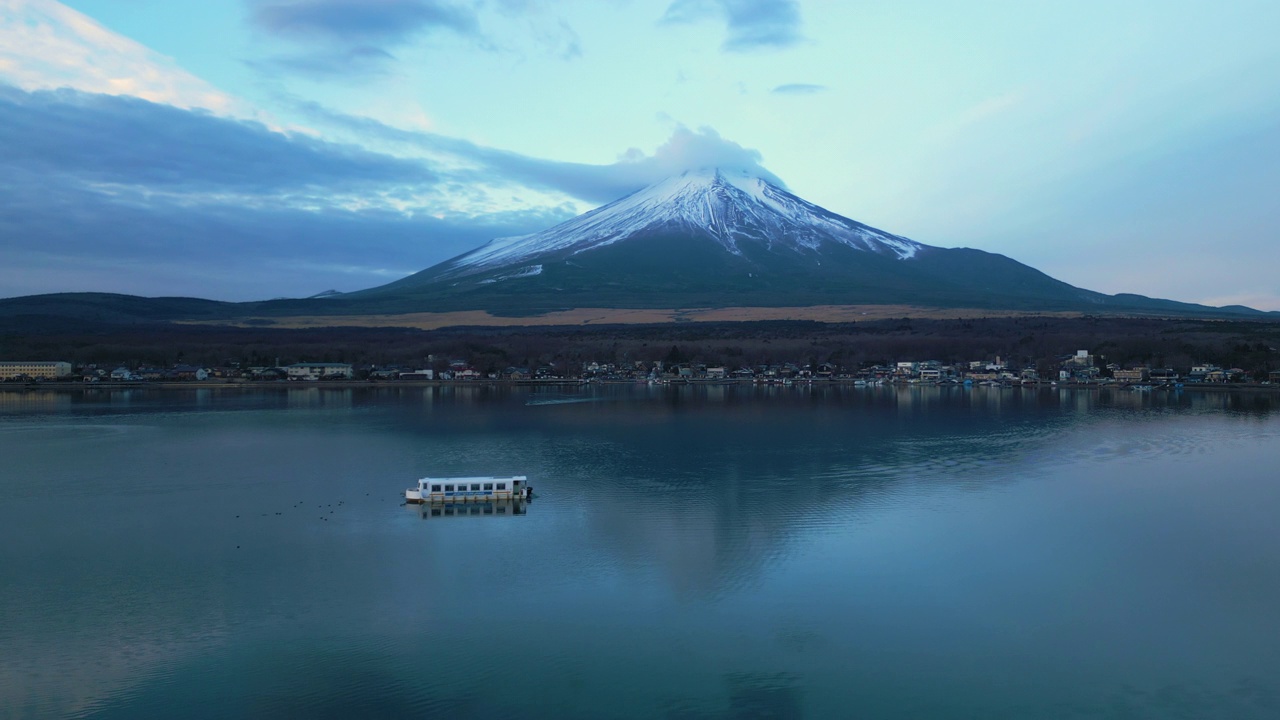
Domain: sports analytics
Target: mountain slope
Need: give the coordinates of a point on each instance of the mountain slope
(716, 238)
(704, 239)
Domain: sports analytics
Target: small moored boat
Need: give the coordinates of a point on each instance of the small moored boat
(469, 489)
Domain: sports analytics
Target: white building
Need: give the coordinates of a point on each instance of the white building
(317, 371)
(418, 375)
(1082, 358)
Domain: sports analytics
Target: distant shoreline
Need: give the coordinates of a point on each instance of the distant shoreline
(54, 386)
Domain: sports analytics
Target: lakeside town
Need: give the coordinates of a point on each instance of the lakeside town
(1080, 368)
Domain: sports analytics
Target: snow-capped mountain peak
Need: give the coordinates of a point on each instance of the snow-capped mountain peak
(725, 239)
(730, 207)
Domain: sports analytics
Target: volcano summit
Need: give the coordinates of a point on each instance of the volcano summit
(735, 210)
(720, 238)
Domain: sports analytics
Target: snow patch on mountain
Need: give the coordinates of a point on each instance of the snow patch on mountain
(730, 207)
(529, 271)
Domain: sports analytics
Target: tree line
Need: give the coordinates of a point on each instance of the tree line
(1020, 341)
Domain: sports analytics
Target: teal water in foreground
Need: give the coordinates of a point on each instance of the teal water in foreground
(696, 552)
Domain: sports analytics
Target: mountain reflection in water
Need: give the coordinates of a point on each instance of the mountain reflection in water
(492, 508)
(708, 552)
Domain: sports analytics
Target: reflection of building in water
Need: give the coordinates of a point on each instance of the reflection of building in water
(313, 397)
(494, 508)
(24, 400)
(1197, 400)
(1081, 401)
(463, 394)
(717, 393)
(114, 397)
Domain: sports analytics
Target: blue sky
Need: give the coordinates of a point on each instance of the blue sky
(244, 149)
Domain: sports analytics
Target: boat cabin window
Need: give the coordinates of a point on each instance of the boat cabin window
(502, 486)
(448, 488)
(488, 486)
(475, 486)
(435, 488)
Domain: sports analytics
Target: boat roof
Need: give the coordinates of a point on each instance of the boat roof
(477, 478)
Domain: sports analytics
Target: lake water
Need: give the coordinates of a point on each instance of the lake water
(693, 552)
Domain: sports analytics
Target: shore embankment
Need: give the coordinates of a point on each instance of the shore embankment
(235, 384)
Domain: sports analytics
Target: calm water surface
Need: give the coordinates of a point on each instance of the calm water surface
(705, 552)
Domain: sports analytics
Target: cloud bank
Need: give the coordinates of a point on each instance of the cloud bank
(750, 24)
(126, 142)
(118, 194)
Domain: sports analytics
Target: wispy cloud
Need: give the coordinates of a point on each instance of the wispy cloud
(798, 89)
(750, 24)
(44, 44)
(356, 62)
(686, 149)
(560, 40)
(127, 142)
(354, 37)
(365, 22)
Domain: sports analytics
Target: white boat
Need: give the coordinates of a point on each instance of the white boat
(469, 489)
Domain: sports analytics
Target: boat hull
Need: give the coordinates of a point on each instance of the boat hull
(413, 496)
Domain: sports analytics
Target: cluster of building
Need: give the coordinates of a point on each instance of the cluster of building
(1080, 368)
(58, 370)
